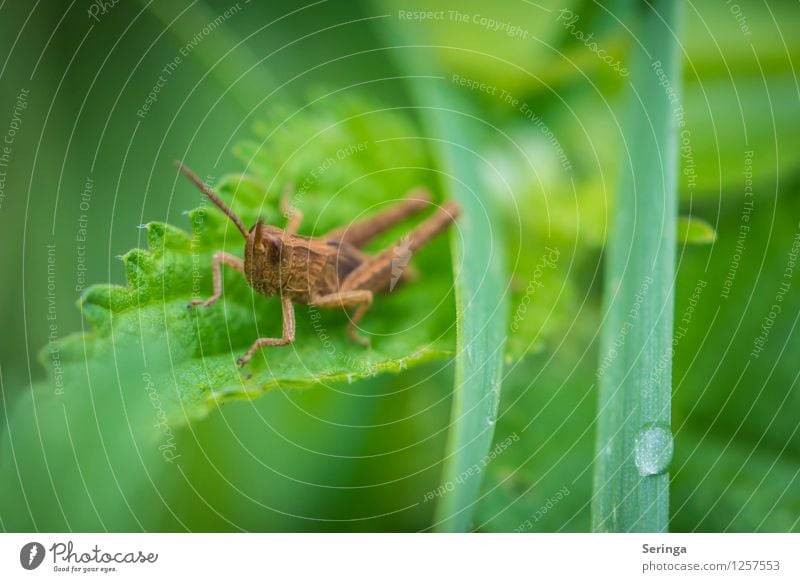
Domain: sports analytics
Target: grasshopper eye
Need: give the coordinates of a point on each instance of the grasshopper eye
(275, 241)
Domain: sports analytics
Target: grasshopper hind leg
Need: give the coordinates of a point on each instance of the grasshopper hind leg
(360, 298)
(384, 271)
(361, 233)
(390, 266)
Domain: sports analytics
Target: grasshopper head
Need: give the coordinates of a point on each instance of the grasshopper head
(262, 252)
(262, 258)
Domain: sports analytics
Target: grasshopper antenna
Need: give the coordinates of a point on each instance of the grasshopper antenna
(211, 196)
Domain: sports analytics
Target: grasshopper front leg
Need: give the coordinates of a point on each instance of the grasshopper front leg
(220, 258)
(287, 336)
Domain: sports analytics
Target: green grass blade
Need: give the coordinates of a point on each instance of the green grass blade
(480, 304)
(631, 482)
(481, 278)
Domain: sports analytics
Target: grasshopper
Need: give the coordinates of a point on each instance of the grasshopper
(329, 271)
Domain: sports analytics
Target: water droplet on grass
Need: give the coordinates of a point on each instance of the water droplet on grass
(653, 449)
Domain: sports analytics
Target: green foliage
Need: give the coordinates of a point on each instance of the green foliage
(111, 440)
(205, 342)
(737, 453)
(149, 365)
(695, 231)
(739, 97)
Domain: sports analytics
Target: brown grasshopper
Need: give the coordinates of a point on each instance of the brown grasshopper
(329, 271)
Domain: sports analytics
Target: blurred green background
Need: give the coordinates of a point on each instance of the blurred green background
(363, 456)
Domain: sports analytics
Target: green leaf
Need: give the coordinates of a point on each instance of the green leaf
(204, 343)
(148, 365)
(634, 444)
(695, 231)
